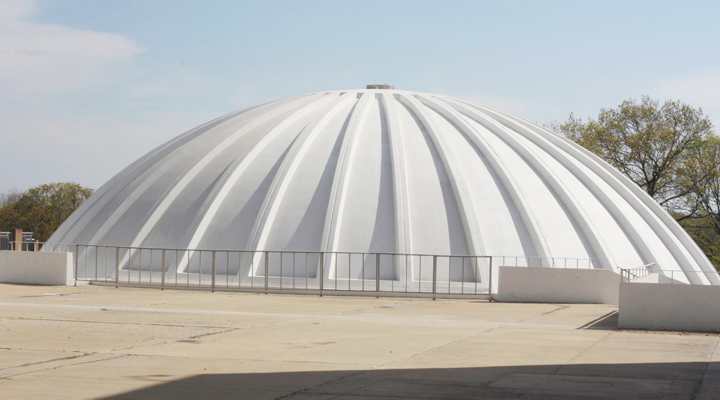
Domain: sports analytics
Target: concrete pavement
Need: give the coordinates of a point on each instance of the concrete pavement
(100, 342)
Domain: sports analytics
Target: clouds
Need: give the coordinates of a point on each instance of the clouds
(11, 10)
(50, 58)
(79, 105)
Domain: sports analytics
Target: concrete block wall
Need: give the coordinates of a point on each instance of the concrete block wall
(36, 268)
(679, 307)
(557, 285)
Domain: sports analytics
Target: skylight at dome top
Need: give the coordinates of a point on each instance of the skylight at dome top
(384, 170)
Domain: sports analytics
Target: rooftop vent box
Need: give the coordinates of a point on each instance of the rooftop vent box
(385, 86)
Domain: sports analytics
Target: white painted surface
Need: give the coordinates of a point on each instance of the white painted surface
(377, 170)
(557, 285)
(36, 268)
(678, 307)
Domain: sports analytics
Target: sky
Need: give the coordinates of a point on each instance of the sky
(87, 87)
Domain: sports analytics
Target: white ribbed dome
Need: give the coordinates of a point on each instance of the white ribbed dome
(383, 171)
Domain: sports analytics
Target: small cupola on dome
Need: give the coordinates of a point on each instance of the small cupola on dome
(383, 86)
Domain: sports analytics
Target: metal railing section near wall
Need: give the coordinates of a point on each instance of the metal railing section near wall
(667, 276)
(25, 246)
(554, 262)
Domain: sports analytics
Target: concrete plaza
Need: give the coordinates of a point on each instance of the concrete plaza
(101, 342)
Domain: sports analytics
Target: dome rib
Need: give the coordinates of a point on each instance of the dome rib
(577, 213)
(468, 215)
(563, 158)
(238, 168)
(288, 168)
(192, 172)
(635, 196)
(403, 237)
(509, 183)
(338, 191)
(157, 168)
(143, 166)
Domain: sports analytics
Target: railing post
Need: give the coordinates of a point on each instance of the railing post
(77, 258)
(434, 282)
(377, 275)
(267, 254)
(322, 272)
(117, 266)
(490, 280)
(162, 274)
(213, 273)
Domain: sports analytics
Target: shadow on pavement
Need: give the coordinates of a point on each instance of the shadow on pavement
(697, 380)
(608, 321)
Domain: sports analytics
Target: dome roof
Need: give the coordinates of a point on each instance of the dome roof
(382, 170)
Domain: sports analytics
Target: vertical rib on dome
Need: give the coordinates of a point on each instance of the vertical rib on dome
(519, 199)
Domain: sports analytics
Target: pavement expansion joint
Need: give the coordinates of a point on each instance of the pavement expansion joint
(48, 361)
(121, 323)
(328, 382)
(214, 333)
(139, 346)
(63, 366)
(558, 308)
(707, 367)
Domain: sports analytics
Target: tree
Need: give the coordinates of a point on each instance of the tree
(706, 228)
(10, 196)
(42, 209)
(668, 150)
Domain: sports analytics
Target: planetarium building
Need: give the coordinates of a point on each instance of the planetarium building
(374, 184)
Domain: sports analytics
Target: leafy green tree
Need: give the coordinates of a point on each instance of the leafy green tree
(704, 231)
(42, 209)
(667, 149)
(670, 151)
(706, 228)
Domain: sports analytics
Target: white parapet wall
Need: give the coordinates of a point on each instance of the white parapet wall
(678, 307)
(557, 285)
(36, 268)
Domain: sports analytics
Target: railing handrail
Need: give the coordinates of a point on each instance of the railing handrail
(652, 271)
(382, 253)
(24, 245)
(634, 274)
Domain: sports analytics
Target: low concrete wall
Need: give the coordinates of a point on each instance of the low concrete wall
(679, 307)
(37, 268)
(557, 285)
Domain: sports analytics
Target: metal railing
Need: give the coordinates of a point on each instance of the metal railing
(25, 246)
(544, 262)
(667, 276)
(381, 274)
(632, 274)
